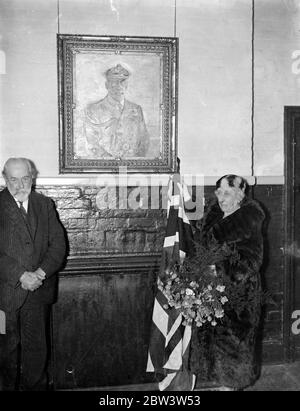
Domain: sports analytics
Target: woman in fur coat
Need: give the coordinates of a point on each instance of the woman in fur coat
(226, 354)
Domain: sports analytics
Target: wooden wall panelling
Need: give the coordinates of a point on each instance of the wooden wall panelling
(292, 219)
(271, 198)
(101, 323)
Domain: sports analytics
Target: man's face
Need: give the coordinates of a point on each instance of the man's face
(228, 197)
(18, 180)
(117, 87)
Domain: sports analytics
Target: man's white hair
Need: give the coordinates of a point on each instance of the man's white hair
(24, 160)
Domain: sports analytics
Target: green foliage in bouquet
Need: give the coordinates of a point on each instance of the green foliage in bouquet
(194, 288)
(198, 265)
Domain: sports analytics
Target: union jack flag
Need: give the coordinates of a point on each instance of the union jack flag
(170, 339)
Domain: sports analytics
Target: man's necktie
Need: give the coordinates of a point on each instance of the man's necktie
(23, 211)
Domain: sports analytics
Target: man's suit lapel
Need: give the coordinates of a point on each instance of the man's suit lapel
(13, 213)
(33, 213)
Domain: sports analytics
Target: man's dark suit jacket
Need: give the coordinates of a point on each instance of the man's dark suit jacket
(26, 247)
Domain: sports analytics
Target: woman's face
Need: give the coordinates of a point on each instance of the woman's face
(228, 197)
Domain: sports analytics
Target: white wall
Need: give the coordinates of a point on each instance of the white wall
(215, 86)
(215, 63)
(277, 83)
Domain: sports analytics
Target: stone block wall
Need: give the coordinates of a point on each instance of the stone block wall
(101, 220)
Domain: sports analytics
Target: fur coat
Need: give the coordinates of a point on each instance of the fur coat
(226, 354)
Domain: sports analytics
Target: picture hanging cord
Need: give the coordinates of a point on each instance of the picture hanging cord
(58, 28)
(252, 96)
(175, 9)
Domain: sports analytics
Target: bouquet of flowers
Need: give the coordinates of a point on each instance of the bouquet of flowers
(194, 287)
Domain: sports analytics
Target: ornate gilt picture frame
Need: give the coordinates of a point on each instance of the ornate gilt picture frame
(117, 103)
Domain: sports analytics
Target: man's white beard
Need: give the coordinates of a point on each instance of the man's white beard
(22, 195)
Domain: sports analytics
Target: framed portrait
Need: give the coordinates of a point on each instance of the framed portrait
(117, 103)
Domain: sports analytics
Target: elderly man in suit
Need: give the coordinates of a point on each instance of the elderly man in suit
(32, 249)
(115, 127)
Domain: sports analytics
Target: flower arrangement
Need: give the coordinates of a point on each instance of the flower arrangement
(194, 287)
